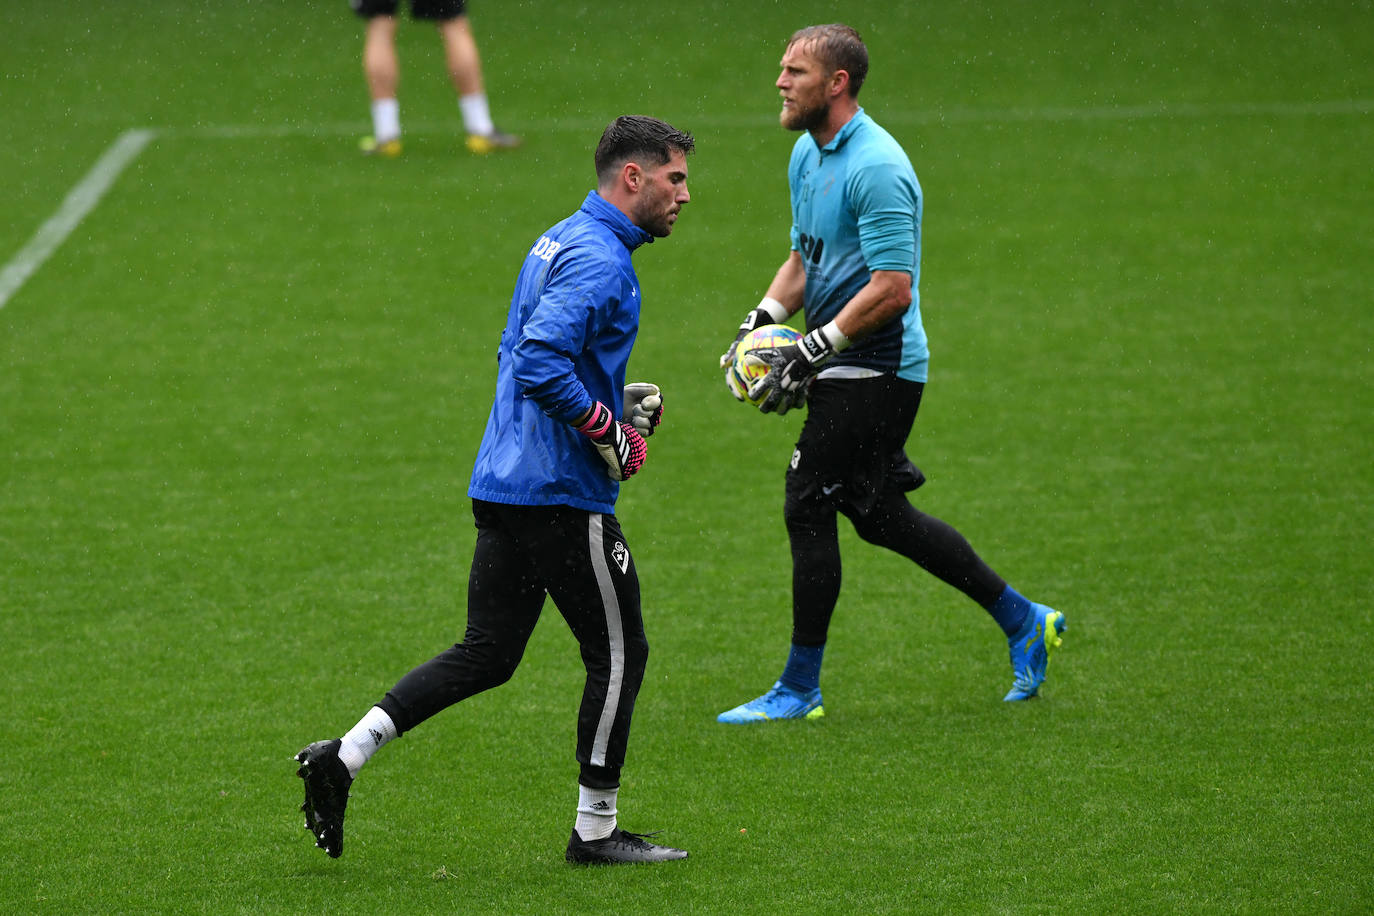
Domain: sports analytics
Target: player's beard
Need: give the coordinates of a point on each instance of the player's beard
(660, 228)
(800, 117)
(654, 220)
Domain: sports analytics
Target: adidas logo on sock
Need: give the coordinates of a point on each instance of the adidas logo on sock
(601, 806)
(376, 736)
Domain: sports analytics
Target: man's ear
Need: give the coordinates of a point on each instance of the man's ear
(839, 83)
(633, 176)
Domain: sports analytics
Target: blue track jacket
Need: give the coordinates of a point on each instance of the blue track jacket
(573, 320)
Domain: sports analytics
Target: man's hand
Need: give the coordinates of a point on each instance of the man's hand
(784, 385)
(769, 311)
(643, 404)
(756, 318)
(620, 444)
(792, 367)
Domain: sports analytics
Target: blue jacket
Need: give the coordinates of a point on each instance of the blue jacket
(573, 320)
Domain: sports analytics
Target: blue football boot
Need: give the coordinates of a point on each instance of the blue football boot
(1030, 651)
(779, 703)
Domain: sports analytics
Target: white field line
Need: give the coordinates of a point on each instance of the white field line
(87, 194)
(80, 201)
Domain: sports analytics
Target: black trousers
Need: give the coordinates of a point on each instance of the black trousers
(523, 553)
(851, 459)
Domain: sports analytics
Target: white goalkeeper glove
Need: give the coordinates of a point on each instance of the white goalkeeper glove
(643, 407)
(768, 311)
(620, 444)
(792, 367)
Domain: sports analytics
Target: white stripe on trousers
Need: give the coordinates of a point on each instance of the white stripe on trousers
(615, 634)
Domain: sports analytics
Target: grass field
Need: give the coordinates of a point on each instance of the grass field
(241, 394)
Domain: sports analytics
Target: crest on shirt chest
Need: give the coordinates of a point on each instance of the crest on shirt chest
(815, 183)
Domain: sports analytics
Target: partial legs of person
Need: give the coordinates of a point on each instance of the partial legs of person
(465, 70)
(598, 595)
(382, 69)
(1032, 630)
(521, 554)
(850, 460)
(504, 602)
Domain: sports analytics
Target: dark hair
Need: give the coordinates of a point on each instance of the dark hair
(631, 137)
(838, 47)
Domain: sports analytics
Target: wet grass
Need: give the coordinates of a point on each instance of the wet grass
(241, 401)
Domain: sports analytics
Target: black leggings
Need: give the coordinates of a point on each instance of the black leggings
(850, 459)
(581, 560)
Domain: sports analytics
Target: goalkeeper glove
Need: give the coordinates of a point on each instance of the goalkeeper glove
(643, 407)
(769, 311)
(792, 367)
(619, 444)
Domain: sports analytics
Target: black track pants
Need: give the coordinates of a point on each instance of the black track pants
(581, 560)
(850, 459)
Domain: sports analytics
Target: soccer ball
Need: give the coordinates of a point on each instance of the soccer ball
(743, 371)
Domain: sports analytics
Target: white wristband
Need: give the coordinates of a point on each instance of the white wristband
(835, 337)
(775, 309)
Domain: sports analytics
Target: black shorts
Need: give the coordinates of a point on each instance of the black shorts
(440, 10)
(852, 446)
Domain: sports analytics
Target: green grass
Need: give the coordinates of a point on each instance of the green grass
(239, 407)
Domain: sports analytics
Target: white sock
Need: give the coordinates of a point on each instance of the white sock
(476, 114)
(595, 812)
(386, 120)
(372, 731)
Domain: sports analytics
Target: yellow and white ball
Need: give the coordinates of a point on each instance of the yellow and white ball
(744, 371)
